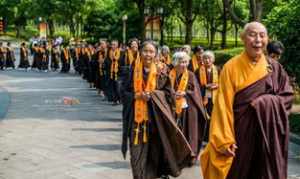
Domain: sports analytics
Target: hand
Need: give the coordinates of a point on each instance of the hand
(137, 96)
(146, 96)
(205, 100)
(214, 86)
(230, 151)
(179, 94)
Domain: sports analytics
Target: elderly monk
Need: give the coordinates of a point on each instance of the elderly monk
(249, 126)
(189, 111)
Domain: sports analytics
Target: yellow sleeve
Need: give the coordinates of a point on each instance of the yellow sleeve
(221, 135)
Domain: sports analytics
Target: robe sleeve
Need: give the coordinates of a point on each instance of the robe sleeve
(222, 122)
(213, 163)
(127, 113)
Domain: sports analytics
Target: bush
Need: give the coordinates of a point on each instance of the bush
(295, 123)
(222, 56)
(64, 34)
(29, 32)
(283, 23)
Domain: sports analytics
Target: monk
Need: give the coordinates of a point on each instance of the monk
(2, 56)
(65, 58)
(157, 146)
(24, 61)
(10, 57)
(189, 113)
(275, 49)
(101, 76)
(132, 53)
(249, 125)
(196, 61)
(164, 56)
(55, 54)
(212, 80)
(113, 69)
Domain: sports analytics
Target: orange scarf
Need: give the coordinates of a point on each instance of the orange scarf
(114, 68)
(202, 75)
(130, 57)
(166, 60)
(140, 106)
(77, 52)
(181, 88)
(24, 51)
(195, 65)
(101, 57)
(66, 55)
(215, 80)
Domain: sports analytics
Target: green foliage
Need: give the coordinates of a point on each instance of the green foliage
(283, 24)
(295, 123)
(222, 56)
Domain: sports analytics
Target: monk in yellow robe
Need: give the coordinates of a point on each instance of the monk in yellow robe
(249, 129)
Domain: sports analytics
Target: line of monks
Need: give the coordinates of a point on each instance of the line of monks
(172, 104)
(167, 100)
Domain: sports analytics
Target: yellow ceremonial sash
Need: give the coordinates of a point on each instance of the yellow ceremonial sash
(101, 57)
(66, 55)
(202, 75)
(195, 65)
(130, 57)
(181, 88)
(166, 60)
(140, 105)
(215, 80)
(114, 68)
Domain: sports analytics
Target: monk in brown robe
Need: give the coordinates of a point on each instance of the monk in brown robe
(65, 60)
(212, 80)
(157, 146)
(189, 111)
(55, 57)
(113, 70)
(196, 60)
(24, 61)
(101, 75)
(249, 126)
(10, 56)
(2, 56)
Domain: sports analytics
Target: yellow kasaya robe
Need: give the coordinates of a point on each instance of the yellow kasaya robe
(237, 74)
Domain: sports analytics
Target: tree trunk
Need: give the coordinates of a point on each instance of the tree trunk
(189, 22)
(72, 28)
(207, 30)
(236, 34)
(259, 10)
(188, 32)
(51, 27)
(18, 31)
(224, 28)
(141, 8)
(256, 8)
(232, 14)
(212, 34)
(162, 24)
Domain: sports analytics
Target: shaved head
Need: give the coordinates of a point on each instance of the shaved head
(255, 39)
(249, 26)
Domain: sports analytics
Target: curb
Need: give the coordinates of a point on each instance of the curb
(5, 102)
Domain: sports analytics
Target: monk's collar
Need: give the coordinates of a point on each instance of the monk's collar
(253, 62)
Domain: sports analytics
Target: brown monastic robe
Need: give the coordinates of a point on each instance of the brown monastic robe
(192, 121)
(262, 127)
(167, 150)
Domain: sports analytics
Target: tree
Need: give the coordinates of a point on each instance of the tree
(188, 11)
(283, 24)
